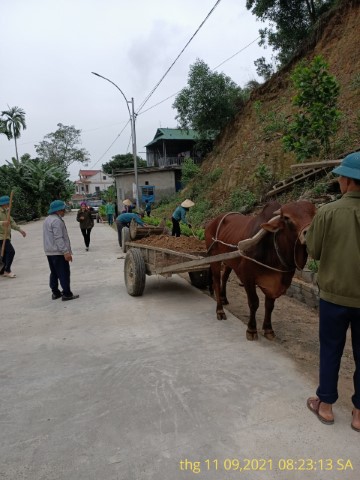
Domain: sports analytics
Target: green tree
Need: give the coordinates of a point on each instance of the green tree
(209, 101)
(4, 130)
(318, 117)
(62, 147)
(290, 22)
(35, 183)
(13, 121)
(121, 161)
(189, 170)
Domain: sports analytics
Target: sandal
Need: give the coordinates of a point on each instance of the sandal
(9, 275)
(353, 426)
(313, 405)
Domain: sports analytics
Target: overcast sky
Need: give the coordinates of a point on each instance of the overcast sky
(50, 47)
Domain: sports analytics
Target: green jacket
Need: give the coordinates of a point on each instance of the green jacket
(3, 218)
(334, 239)
(109, 209)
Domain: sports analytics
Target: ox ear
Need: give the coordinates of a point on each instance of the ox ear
(273, 226)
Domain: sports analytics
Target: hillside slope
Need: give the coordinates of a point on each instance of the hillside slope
(254, 137)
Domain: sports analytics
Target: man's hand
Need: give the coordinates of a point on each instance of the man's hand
(23, 233)
(68, 257)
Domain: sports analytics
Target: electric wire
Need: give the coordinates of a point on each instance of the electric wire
(176, 59)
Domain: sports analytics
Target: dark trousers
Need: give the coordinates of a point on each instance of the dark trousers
(8, 257)
(110, 217)
(59, 272)
(86, 234)
(120, 226)
(176, 228)
(334, 323)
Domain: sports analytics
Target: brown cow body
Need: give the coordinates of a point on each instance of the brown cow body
(281, 248)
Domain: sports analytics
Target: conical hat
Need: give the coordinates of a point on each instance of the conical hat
(127, 202)
(187, 203)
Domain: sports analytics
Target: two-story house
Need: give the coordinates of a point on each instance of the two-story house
(92, 182)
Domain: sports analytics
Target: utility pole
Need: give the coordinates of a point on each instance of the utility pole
(133, 134)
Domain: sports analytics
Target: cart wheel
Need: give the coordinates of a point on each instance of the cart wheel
(125, 237)
(134, 272)
(199, 279)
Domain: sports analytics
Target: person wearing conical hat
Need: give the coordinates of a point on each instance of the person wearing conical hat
(179, 215)
(5, 236)
(127, 206)
(334, 239)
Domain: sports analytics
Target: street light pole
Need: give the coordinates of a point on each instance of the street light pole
(133, 134)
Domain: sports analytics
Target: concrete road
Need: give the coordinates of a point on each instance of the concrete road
(114, 387)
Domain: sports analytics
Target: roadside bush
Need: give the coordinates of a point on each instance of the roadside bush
(242, 200)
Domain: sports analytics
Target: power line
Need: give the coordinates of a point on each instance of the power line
(168, 70)
(222, 63)
(103, 155)
(232, 56)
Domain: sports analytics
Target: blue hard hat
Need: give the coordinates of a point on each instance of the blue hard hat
(56, 205)
(5, 200)
(350, 166)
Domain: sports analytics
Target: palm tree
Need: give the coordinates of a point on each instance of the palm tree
(14, 121)
(4, 130)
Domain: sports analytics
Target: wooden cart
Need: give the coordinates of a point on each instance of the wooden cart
(142, 260)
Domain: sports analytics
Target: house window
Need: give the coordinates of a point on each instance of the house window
(87, 188)
(82, 189)
(104, 177)
(146, 183)
(147, 191)
(97, 189)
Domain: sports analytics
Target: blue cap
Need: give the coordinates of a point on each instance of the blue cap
(5, 200)
(56, 205)
(349, 167)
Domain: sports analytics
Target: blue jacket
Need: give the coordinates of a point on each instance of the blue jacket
(125, 218)
(180, 214)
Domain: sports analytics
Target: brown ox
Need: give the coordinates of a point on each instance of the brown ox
(273, 241)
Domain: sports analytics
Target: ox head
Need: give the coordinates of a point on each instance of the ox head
(292, 220)
(294, 216)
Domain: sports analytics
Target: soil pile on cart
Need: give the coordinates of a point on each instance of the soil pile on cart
(179, 244)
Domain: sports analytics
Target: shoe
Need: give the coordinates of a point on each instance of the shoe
(87, 249)
(55, 296)
(313, 405)
(73, 297)
(9, 275)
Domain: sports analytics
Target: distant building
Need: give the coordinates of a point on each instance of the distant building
(171, 146)
(154, 184)
(92, 182)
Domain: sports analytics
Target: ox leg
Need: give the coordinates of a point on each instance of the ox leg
(216, 276)
(267, 326)
(224, 278)
(253, 302)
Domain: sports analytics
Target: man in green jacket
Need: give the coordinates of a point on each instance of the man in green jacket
(334, 240)
(110, 211)
(5, 236)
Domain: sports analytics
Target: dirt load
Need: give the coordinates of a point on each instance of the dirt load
(179, 244)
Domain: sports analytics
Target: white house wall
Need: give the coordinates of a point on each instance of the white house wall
(163, 181)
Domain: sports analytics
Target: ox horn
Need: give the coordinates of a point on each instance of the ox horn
(244, 245)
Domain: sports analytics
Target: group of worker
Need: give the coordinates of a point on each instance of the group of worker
(333, 238)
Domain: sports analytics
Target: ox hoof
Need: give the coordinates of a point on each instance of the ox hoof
(269, 334)
(252, 335)
(221, 316)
